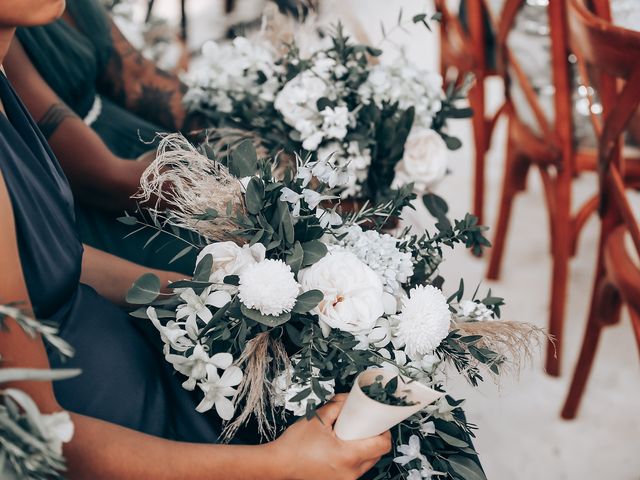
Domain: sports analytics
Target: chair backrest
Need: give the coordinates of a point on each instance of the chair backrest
(556, 131)
(611, 57)
(465, 43)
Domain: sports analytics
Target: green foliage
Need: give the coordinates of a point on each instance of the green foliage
(386, 393)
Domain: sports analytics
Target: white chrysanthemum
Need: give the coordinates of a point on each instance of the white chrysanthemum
(423, 321)
(269, 287)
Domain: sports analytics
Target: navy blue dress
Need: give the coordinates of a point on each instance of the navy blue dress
(124, 378)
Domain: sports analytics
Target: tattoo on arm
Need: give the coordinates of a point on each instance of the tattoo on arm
(53, 117)
(137, 84)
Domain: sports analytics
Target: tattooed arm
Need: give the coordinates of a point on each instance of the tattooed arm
(137, 84)
(97, 177)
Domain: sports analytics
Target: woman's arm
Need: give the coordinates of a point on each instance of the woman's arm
(113, 276)
(309, 450)
(140, 86)
(97, 177)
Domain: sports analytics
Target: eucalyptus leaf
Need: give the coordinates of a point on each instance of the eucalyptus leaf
(268, 320)
(144, 290)
(466, 468)
(254, 196)
(313, 251)
(244, 160)
(453, 441)
(308, 301)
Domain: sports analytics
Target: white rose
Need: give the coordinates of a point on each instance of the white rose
(352, 291)
(424, 161)
(231, 259)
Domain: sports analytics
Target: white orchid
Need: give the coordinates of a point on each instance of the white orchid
(428, 428)
(410, 451)
(218, 390)
(172, 335)
(328, 218)
(443, 410)
(378, 337)
(195, 365)
(197, 307)
(472, 310)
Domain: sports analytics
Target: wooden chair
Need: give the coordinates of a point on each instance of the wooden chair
(551, 150)
(465, 50)
(612, 52)
(183, 16)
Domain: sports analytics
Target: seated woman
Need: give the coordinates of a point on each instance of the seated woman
(125, 393)
(99, 103)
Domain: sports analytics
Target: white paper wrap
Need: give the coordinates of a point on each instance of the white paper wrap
(363, 417)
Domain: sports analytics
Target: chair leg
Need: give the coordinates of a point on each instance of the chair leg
(477, 103)
(635, 323)
(605, 304)
(515, 175)
(183, 19)
(149, 9)
(561, 254)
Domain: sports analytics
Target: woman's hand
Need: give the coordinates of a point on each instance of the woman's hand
(310, 450)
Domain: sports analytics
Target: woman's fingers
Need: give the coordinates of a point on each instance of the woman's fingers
(373, 448)
(329, 413)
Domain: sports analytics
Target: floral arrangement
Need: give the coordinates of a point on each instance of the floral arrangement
(385, 125)
(30, 441)
(293, 301)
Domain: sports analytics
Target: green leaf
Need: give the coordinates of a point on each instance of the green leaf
(190, 284)
(128, 220)
(453, 143)
(294, 259)
(209, 214)
(181, 253)
(313, 251)
(268, 320)
(144, 290)
(301, 396)
(466, 468)
(203, 268)
(453, 441)
(244, 160)
(322, 103)
(27, 374)
(419, 17)
(254, 198)
(286, 221)
(231, 280)
(308, 301)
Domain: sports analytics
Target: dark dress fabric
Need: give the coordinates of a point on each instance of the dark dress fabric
(72, 60)
(124, 378)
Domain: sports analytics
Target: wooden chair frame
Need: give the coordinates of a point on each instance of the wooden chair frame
(614, 52)
(466, 51)
(552, 152)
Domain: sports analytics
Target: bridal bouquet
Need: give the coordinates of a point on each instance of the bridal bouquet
(384, 124)
(292, 302)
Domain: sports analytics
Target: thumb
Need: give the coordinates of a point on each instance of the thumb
(329, 413)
